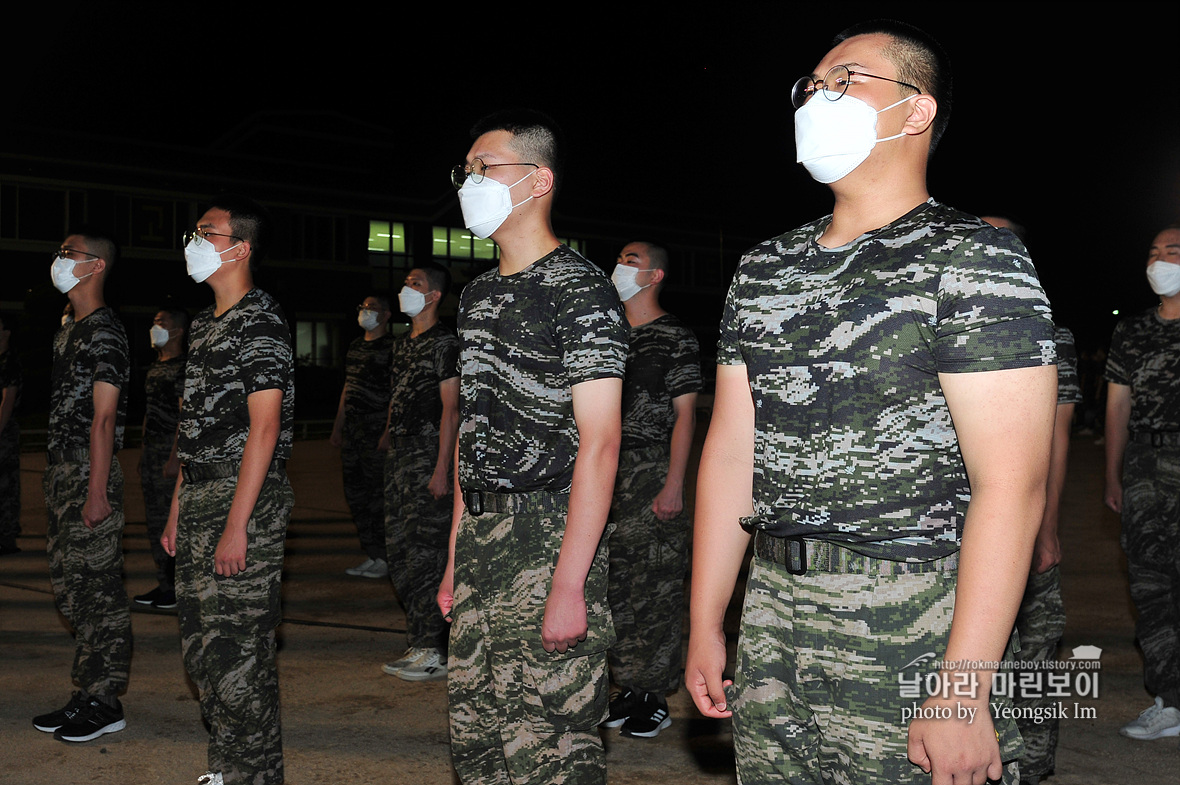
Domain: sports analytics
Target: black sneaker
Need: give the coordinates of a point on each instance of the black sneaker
(166, 601)
(91, 721)
(55, 719)
(151, 597)
(621, 705)
(648, 718)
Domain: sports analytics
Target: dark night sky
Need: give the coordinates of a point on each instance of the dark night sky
(1065, 118)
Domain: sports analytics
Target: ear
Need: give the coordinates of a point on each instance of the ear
(657, 275)
(243, 251)
(543, 182)
(922, 112)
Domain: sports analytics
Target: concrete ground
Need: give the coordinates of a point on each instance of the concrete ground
(346, 722)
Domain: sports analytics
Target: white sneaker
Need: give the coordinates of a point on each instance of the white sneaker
(359, 570)
(1156, 722)
(376, 569)
(411, 656)
(210, 778)
(430, 666)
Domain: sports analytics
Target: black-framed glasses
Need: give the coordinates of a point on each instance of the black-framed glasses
(833, 85)
(73, 253)
(201, 235)
(476, 170)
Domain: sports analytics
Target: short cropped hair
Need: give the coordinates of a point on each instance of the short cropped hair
(178, 315)
(437, 276)
(382, 301)
(100, 242)
(248, 220)
(535, 137)
(919, 59)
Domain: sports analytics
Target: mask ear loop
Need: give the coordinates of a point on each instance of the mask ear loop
(886, 109)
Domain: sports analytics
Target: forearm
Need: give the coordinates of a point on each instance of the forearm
(257, 456)
(102, 453)
(1058, 462)
(7, 405)
(680, 447)
(1116, 436)
(724, 495)
(448, 435)
(590, 496)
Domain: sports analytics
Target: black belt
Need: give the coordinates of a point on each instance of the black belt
(77, 454)
(207, 472)
(1157, 438)
(480, 502)
(801, 556)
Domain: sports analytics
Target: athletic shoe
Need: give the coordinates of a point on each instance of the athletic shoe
(1156, 722)
(378, 569)
(622, 703)
(430, 666)
(91, 721)
(210, 778)
(166, 601)
(149, 598)
(411, 656)
(55, 719)
(360, 568)
(648, 718)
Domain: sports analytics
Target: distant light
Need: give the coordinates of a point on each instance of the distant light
(1115, 312)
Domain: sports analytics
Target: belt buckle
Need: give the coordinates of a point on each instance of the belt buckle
(796, 555)
(474, 502)
(1157, 439)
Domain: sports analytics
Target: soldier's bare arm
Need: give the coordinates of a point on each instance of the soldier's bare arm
(446, 589)
(725, 484)
(1004, 423)
(1118, 416)
(440, 482)
(670, 501)
(265, 408)
(1047, 552)
(597, 414)
(102, 452)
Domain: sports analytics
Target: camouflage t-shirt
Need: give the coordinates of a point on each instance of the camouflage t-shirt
(164, 385)
(366, 376)
(419, 365)
(11, 376)
(843, 348)
(85, 352)
(1145, 356)
(527, 339)
(245, 350)
(663, 362)
(1068, 389)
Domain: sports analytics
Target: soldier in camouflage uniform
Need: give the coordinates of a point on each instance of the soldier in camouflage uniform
(649, 547)
(228, 521)
(1143, 479)
(360, 421)
(84, 489)
(423, 419)
(543, 354)
(10, 384)
(159, 464)
(882, 422)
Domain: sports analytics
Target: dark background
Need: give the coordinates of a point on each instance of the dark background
(1066, 115)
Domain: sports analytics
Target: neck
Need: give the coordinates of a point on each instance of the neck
(1169, 307)
(524, 244)
(229, 286)
(426, 318)
(643, 308)
(86, 301)
(377, 332)
(169, 351)
(872, 196)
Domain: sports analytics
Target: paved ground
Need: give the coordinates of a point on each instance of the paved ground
(346, 722)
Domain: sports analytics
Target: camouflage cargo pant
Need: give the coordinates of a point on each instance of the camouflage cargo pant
(157, 502)
(9, 484)
(817, 694)
(648, 563)
(1040, 625)
(362, 463)
(1151, 540)
(227, 626)
(519, 714)
(417, 533)
(86, 570)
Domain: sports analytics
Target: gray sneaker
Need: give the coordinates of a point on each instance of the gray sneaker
(432, 665)
(359, 570)
(1156, 722)
(210, 778)
(411, 656)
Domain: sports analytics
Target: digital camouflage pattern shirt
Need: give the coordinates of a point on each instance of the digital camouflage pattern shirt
(419, 365)
(844, 347)
(526, 340)
(663, 363)
(164, 386)
(245, 350)
(366, 376)
(86, 351)
(1145, 356)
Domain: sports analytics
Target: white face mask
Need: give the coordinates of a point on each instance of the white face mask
(624, 280)
(834, 137)
(1164, 278)
(487, 204)
(62, 273)
(160, 336)
(202, 259)
(411, 301)
(367, 319)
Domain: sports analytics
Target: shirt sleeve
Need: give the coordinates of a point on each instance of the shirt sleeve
(112, 363)
(266, 359)
(591, 330)
(1068, 388)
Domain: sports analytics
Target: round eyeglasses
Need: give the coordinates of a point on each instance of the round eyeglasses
(201, 235)
(833, 85)
(476, 170)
